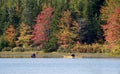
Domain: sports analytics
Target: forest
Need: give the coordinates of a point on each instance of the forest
(84, 26)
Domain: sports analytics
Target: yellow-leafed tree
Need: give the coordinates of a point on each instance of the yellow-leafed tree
(25, 36)
(68, 30)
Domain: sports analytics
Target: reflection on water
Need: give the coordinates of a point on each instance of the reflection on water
(59, 66)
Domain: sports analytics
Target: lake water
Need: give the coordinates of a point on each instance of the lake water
(59, 66)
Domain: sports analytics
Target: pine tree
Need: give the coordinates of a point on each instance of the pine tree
(91, 31)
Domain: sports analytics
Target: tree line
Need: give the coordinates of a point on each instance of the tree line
(60, 25)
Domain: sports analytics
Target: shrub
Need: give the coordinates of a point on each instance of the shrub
(7, 49)
(66, 49)
(18, 49)
(63, 50)
(3, 43)
(116, 50)
(51, 45)
(97, 48)
(85, 48)
(28, 49)
(104, 49)
(82, 48)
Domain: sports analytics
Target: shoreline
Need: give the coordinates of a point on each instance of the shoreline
(55, 55)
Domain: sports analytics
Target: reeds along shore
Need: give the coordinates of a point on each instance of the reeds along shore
(56, 55)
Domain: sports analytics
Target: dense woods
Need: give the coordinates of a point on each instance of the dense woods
(60, 25)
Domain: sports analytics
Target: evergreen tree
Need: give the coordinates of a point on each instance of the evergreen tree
(91, 12)
(30, 10)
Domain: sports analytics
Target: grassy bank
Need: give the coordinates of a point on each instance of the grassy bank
(55, 55)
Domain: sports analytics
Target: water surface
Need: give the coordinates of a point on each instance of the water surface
(59, 66)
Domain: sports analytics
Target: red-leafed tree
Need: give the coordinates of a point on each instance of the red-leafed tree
(42, 27)
(112, 29)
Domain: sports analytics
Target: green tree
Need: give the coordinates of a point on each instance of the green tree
(29, 11)
(91, 13)
(3, 43)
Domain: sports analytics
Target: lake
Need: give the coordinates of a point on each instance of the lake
(59, 66)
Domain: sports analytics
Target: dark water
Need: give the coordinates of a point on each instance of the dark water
(59, 66)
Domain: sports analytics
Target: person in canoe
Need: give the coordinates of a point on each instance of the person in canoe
(73, 55)
(33, 55)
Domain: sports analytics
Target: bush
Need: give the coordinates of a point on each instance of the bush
(66, 49)
(18, 49)
(28, 49)
(3, 43)
(85, 48)
(105, 49)
(7, 49)
(97, 48)
(116, 50)
(51, 45)
(82, 48)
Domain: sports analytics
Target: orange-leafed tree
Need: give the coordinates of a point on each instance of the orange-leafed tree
(42, 27)
(109, 8)
(112, 29)
(25, 36)
(10, 35)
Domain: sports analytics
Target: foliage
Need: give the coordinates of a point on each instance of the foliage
(21, 49)
(25, 36)
(108, 8)
(51, 45)
(42, 27)
(29, 49)
(91, 32)
(7, 49)
(116, 50)
(112, 29)
(18, 49)
(3, 43)
(85, 48)
(10, 35)
(73, 21)
(65, 49)
(29, 11)
(69, 29)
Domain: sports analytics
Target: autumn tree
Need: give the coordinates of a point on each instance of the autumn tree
(25, 36)
(10, 35)
(112, 29)
(42, 27)
(69, 30)
(108, 8)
